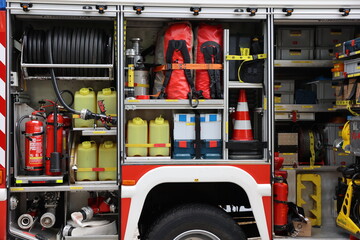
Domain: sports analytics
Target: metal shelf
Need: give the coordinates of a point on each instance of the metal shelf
(42, 179)
(66, 188)
(303, 63)
(236, 84)
(344, 56)
(304, 107)
(139, 161)
(315, 168)
(133, 104)
(100, 131)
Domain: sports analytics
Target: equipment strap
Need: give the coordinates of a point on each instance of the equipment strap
(197, 135)
(212, 54)
(312, 148)
(191, 66)
(180, 45)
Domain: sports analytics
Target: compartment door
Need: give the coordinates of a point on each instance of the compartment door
(316, 13)
(3, 190)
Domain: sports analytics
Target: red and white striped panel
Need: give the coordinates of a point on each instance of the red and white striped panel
(3, 191)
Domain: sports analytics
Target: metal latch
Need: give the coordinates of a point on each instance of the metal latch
(345, 11)
(101, 8)
(196, 10)
(288, 11)
(294, 115)
(252, 11)
(138, 9)
(26, 6)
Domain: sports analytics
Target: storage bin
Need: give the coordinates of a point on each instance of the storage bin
(284, 98)
(325, 92)
(351, 46)
(336, 158)
(285, 53)
(184, 126)
(352, 66)
(331, 132)
(330, 36)
(324, 53)
(284, 86)
(295, 37)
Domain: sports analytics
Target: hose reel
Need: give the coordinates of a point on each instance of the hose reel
(69, 46)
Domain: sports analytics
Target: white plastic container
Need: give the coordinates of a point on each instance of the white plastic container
(184, 126)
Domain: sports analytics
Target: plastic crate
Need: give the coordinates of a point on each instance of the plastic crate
(295, 37)
(184, 126)
(286, 53)
(331, 132)
(336, 158)
(330, 36)
(281, 86)
(324, 53)
(351, 46)
(325, 92)
(352, 66)
(284, 98)
(185, 149)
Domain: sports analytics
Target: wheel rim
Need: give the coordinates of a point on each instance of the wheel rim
(196, 234)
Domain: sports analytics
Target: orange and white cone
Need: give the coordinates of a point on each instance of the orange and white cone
(242, 126)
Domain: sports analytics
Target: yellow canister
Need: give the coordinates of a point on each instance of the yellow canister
(107, 159)
(159, 132)
(84, 98)
(137, 133)
(86, 158)
(108, 96)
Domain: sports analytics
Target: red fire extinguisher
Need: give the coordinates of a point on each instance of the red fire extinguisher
(53, 156)
(280, 204)
(34, 139)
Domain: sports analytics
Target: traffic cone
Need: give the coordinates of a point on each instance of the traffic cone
(242, 126)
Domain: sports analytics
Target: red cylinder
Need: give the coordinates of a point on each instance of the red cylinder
(280, 204)
(50, 141)
(34, 132)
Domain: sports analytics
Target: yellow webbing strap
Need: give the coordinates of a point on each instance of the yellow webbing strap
(312, 148)
(348, 107)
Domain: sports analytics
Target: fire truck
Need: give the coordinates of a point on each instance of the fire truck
(179, 120)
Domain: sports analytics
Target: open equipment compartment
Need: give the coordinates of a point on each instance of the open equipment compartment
(70, 48)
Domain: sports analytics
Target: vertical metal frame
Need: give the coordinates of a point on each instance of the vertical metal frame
(270, 101)
(120, 83)
(226, 41)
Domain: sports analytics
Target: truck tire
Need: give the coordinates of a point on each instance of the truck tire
(195, 221)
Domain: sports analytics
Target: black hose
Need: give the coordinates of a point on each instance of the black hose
(53, 78)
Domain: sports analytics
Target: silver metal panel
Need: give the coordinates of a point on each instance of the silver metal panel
(212, 3)
(63, 10)
(303, 63)
(303, 107)
(313, 14)
(74, 188)
(225, 132)
(184, 12)
(97, 131)
(172, 104)
(300, 116)
(235, 84)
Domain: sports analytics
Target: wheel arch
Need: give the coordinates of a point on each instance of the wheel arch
(138, 193)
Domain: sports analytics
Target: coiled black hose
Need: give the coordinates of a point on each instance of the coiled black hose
(69, 46)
